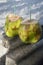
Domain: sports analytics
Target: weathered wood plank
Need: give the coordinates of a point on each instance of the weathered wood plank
(11, 43)
(22, 54)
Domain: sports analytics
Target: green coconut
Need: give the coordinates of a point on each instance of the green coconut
(30, 31)
(12, 24)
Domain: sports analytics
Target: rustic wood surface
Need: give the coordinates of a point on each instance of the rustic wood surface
(26, 55)
(11, 43)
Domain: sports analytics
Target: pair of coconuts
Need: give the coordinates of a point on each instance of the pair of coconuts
(29, 31)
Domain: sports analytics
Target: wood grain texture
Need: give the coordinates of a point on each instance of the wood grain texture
(11, 43)
(25, 55)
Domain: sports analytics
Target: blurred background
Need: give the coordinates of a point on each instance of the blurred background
(22, 8)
